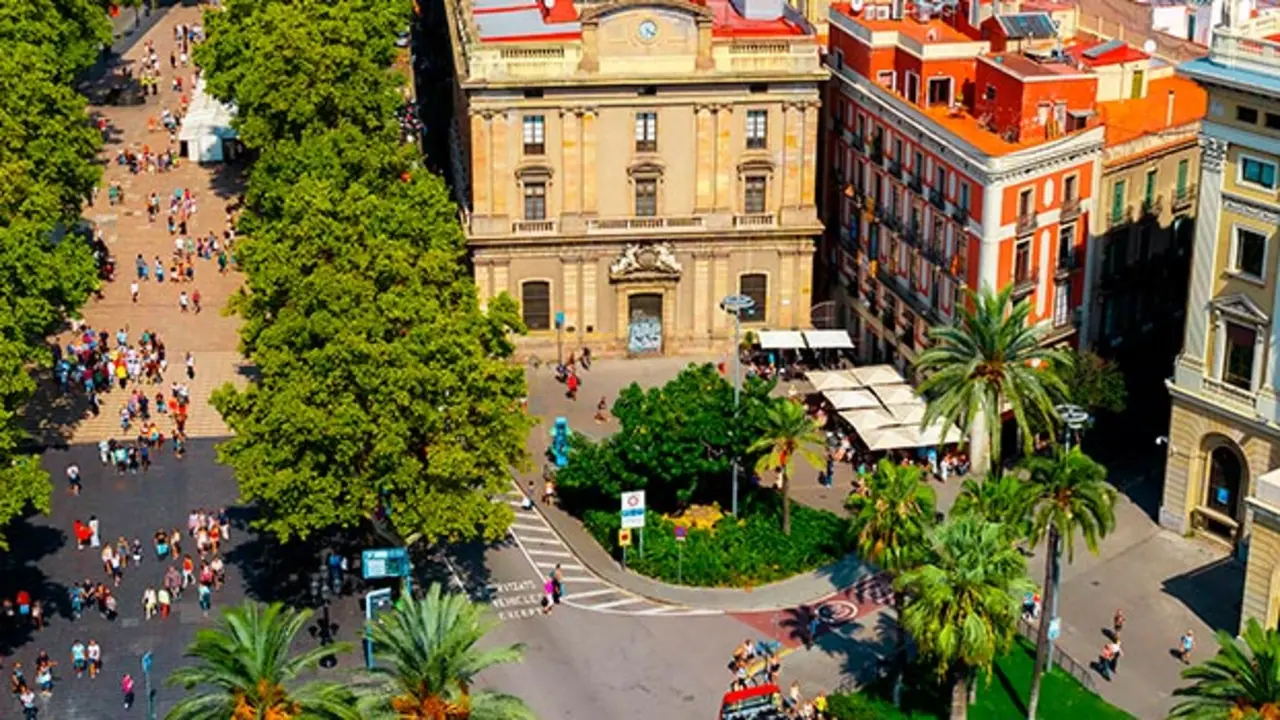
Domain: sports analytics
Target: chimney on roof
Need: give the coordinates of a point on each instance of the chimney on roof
(760, 9)
(1168, 111)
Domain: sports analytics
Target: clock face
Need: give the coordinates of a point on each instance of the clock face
(648, 30)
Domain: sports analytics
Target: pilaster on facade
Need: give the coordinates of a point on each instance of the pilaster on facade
(1189, 369)
(589, 161)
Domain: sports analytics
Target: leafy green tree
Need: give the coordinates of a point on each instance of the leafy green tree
(1070, 497)
(65, 35)
(24, 485)
(429, 652)
(1094, 383)
(788, 433)
(245, 670)
(297, 65)
(891, 522)
(963, 602)
(992, 356)
(1003, 499)
(1238, 682)
(383, 388)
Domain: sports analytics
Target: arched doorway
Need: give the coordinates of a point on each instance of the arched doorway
(644, 331)
(1226, 478)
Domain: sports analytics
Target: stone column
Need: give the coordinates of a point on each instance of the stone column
(1191, 362)
(571, 161)
(589, 161)
(705, 61)
(705, 170)
(1259, 352)
(590, 48)
(792, 153)
(786, 291)
(499, 177)
(724, 158)
(720, 290)
(703, 303)
(809, 174)
(484, 278)
(502, 279)
(569, 268)
(1219, 344)
(589, 291)
(480, 164)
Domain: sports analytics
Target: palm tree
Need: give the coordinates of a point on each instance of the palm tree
(990, 358)
(1070, 497)
(891, 522)
(245, 668)
(788, 432)
(430, 659)
(1237, 682)
(1003, 499)
(963, 603)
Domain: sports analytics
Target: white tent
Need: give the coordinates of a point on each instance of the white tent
(902, 394)
(781, 340)
(892, 438)
(851, 399)
(878, 375)
(907, 413)
(831, 380)
(866, 420)
(828, 339)
(206, 126)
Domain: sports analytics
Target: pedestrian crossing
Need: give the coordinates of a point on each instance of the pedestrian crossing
(583, 589)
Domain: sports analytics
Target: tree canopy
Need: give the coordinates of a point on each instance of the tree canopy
(383, 390)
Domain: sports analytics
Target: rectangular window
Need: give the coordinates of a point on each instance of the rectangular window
(1184, 167)
(756, 287)
(917, 165)
(1025, 203)
(990, 93)
(897, 151)
(535, 201)
(1273, 121)
(1061, 303)
(1069, 188)
(1022, 262)
(940, 180)
(1117, 200)
(1237, 369)
(1257, 172)
(757, 129)
(940, 91)
(1247, 114)
(646, 197)
(753, 200)
(535, 304)
(1149, 193)
(884, 79)
(862, 127)
(647, 132)
(913, 87)
(964, 196)
(1066, 245)
(1249, 253)
(535, 138)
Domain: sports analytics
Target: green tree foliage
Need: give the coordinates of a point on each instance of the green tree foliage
(429, 656)
(24, 485)
(788, 433)
(1240, 681)
(65, 35)
(963, 602)
(676, 442)
(245, 668)
(297, 65)
(1070, 497)
(1094, 383)
(992, 356)
(1003, 499)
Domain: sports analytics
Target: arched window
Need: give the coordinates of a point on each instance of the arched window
(1225, 474)
(535, 304)
(756, 287)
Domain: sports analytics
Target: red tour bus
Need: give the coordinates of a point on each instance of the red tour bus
(762, 702)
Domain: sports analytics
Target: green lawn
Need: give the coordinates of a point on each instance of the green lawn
(1062, 697)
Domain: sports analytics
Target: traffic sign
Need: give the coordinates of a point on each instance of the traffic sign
(624, 538)
(681, 532)
(387, 562)
(146, 662)
(633, 509)
(1055, 628)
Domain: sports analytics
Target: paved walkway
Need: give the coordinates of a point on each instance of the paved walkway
(209, 335)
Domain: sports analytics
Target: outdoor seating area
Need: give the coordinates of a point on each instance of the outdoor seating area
(883, 411)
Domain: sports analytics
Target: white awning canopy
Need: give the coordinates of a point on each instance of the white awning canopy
(891, 438)
(866, 420)
(832, 380)
(907, 413)
(878, 375)
(828, 339)
(851, 399)
(781, 339)
(902, 394)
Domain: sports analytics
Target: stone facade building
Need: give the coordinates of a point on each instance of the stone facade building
(624, 166)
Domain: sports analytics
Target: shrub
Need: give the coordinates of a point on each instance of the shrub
(861, 706)
(749, 550)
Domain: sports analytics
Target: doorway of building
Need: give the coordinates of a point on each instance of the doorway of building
(644, 329)
(1225, 474)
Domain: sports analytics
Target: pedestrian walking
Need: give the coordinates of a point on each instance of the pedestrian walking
(28, 701)
(95, 540)
(602, 409)
(94, 651)
(149, 602)
(133, 290)
(1186, 644)
(165, 599)
(548, 597)
(195, 300)
(206, 599)
(1114, 661)
(572, 383)
(191, 366)
(73, 479)
(126, 689)
(1117, 624)
(557, 584)
(79, 660)
(184, 302)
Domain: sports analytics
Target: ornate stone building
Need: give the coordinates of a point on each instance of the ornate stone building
(624, 166)
(1222, 478)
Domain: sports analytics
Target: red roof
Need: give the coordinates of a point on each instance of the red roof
(1123, 54)
(730, 23)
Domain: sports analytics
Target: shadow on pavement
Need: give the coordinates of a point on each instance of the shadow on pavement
(1212, 592)
(19, 570)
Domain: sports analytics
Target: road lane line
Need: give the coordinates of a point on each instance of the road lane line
(562, 566)
(550, 553)
(616, 603)
(589, 593)
(552, 540)
(532, 528)
(597, 581)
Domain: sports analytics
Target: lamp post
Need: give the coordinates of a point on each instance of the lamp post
(735, 305)
(146, 679)
(1073, 418)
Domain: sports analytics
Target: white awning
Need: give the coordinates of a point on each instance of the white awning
(907, 413)
(851, 399)
(933, 435)
(896, 394)
(828, 339)
(866, 420)
(878, 375)
(832, 380)
(781, 339)
(891, 438)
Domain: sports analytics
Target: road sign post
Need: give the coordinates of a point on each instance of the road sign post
(680, 535)
(633, 515)
(624, 542)
(146, 685)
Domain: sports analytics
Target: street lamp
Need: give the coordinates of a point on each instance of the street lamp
(1073, 419)
(735, 305)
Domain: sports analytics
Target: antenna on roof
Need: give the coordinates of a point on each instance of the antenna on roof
(855, 5)
(549, 3)
(1149, 47)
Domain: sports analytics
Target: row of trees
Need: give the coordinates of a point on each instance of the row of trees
(428, 656)
(384, 391)
(48, 162)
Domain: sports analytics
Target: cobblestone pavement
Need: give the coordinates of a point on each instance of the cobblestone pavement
(210, 335)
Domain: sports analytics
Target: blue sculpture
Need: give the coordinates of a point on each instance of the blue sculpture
(560, 442)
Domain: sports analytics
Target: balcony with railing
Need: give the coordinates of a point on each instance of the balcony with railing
(857, 142)
(960, 213)
(936, 253)
(755, 220)
(1067, 263)
(1152, 206)
(877, 152)
(912, 236)
(1027, 223)
(1182, 198)
(675, 223)
(895, 168)
(533, 227)
(1249, 46)
(913, 182)
(935, 197)
(1118, 217)
(1025, 280)
(1229, 394)
(1070, 208)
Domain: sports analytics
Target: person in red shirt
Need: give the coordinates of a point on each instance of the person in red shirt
(84, 534)
(572, 382)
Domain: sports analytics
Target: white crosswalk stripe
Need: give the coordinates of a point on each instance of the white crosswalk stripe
(549, 553)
